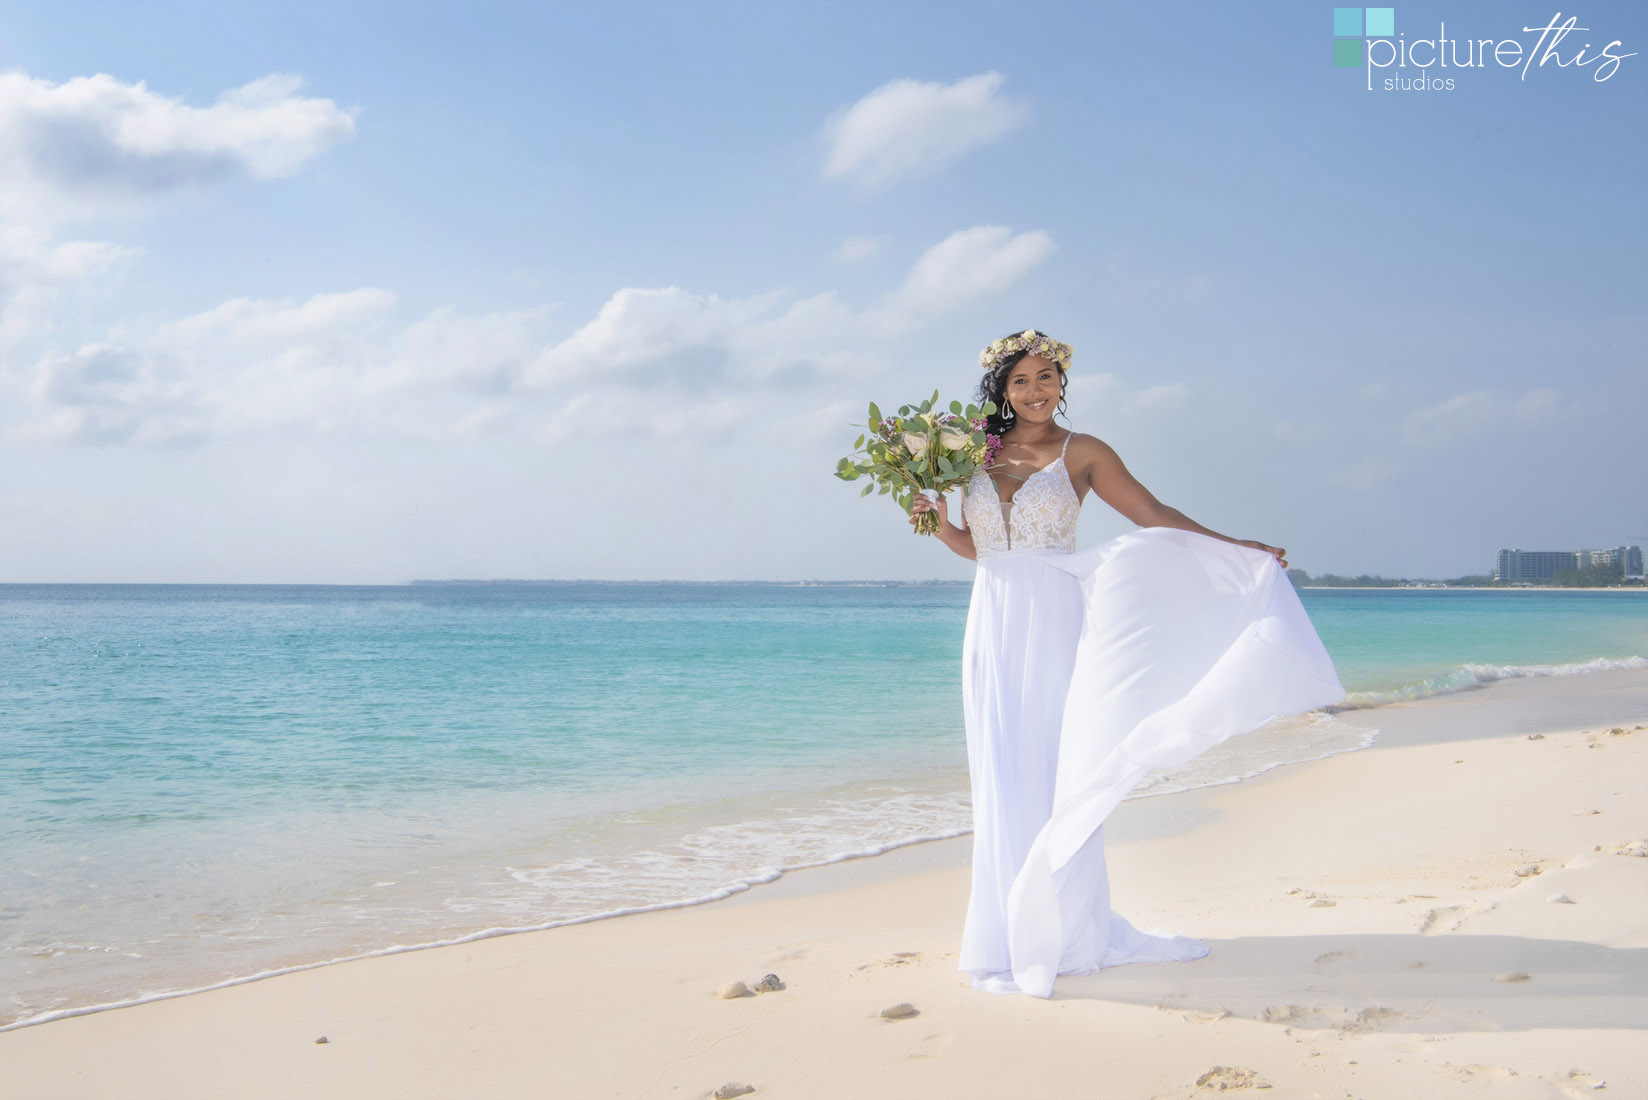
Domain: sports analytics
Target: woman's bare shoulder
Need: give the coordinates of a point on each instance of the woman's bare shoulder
(1088, 448)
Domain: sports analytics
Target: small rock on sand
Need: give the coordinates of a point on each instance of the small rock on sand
(1561, 899)
(1323, 903)
(1527, 870)
(1511, 976)
(1536, 737)
(731, 1089)
(1220, 1078)
(898, 1011)
(322, 1039)
(769, 984)
(1581, 1079)
(1619, 731)
(733, 989)
(1631, 848)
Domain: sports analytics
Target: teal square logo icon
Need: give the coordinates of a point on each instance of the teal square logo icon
(1351, 28)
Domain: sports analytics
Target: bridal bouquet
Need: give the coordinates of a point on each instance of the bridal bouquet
(921, 450)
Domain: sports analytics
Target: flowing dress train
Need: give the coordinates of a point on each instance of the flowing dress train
(1082, 671)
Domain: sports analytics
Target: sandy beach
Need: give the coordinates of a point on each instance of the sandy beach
(1461, 910)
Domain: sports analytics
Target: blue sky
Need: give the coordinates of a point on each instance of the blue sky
(310, 293)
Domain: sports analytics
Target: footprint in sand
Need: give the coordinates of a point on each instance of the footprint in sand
(1449, 918)
(1576, 1083)
(1479, 1074)
(1195, 1017)
(1445, 915)
(1220, 1078)
(1372, 1018)
(1333, 956)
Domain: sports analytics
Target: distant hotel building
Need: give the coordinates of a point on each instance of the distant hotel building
(1544, 565)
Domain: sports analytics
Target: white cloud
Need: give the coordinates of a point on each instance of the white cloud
(1467, 413)
(1369, 473)
(94, 144)
(968, 266)
(657, 359)
(34, 275)
(854, 249)
(242, 322)
(101, 395)
(909, 127)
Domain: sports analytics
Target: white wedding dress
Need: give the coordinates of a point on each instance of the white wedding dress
(1082, 671)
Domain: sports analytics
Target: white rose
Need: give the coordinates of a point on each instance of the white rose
(953, 439)
(915, 444)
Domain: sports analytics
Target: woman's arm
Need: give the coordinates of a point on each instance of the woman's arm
(959, 539)
(1102, 468)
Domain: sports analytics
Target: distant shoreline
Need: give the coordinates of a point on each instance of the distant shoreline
(1475, 588)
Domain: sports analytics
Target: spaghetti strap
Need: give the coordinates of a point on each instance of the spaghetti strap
(1066, 446)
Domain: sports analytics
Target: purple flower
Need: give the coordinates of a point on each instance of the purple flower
(992, 448)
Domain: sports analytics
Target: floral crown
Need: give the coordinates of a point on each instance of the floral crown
(1036, 343)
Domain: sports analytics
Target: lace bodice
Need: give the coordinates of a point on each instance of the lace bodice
(1040, 519)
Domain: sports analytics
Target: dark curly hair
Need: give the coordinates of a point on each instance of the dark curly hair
(993, 387)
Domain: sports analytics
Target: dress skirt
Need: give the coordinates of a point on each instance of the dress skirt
(1082, 672)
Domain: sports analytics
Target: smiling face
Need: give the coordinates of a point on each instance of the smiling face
(1033, 389)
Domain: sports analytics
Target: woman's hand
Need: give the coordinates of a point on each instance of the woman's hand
(921, 504)
(1281, 555)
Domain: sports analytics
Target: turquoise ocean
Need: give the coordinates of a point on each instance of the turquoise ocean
(202, 784)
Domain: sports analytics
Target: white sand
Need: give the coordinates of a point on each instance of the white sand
(1359, 908)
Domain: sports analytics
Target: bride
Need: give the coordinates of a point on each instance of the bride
(1082, 671)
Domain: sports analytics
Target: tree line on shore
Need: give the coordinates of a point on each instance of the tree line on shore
(1591, 576)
